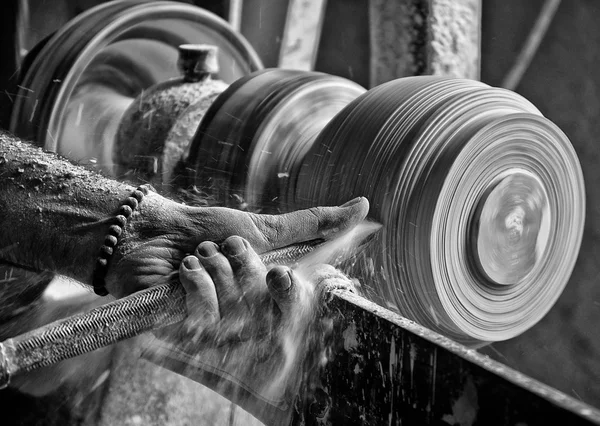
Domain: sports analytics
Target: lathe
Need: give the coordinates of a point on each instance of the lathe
(481, 198)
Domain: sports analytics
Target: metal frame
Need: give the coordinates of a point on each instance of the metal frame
(386, 369)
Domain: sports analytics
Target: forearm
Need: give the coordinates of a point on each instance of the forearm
(53, 215)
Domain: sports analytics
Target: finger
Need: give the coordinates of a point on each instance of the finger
(219, 269)
(305, 225)
(295, 292)
(284, 289)
(247, 267)
(201, 294)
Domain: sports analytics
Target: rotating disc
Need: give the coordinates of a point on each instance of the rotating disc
(82, 80)
(258, 131)
(482, 201)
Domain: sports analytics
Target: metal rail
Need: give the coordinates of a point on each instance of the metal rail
(385, 369)
(390, 370)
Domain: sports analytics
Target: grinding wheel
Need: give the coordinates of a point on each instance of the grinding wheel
(83, 79)
(482, 201)
(258, 131)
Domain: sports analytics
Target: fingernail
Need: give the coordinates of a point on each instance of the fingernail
(352, 202)
(207, 249)
(233, 246)
(191, 263)
(279, 280)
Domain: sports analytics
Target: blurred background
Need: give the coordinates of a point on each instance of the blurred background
(562, 80)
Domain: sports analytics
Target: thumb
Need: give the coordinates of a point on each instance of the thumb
(310, 224)
(292, 295)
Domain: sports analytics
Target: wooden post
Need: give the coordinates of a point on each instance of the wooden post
(302, 34)
(424, 37)
(234, 15)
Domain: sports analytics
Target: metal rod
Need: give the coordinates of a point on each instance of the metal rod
(543, 21)
(143, 311)
(235, 14)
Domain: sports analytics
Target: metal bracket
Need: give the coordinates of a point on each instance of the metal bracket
(385, 369)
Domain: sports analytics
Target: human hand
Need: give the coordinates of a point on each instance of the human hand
(232, 298)
(248, 333)
(163, 232)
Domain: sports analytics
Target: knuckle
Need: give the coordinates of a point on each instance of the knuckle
(218, 266)
(317, 213)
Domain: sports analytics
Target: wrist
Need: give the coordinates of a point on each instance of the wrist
(115, 230)
(149, 248)
(156, 217)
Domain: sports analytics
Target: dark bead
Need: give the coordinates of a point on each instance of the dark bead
(101, 291)
(101, 264)
(138, 195)
(110, 240)
(125, 210)
(132, 202)
(106, 252)
(145, 188)
(98, 277)
(115, 230)
(121, 220)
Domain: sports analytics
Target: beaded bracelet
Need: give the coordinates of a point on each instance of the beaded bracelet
(112, 238)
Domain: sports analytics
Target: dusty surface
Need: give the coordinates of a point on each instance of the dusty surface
(454, 49)
(141, 393)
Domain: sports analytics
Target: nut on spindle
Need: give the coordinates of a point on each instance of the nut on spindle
(197, 61)
(513, 227)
